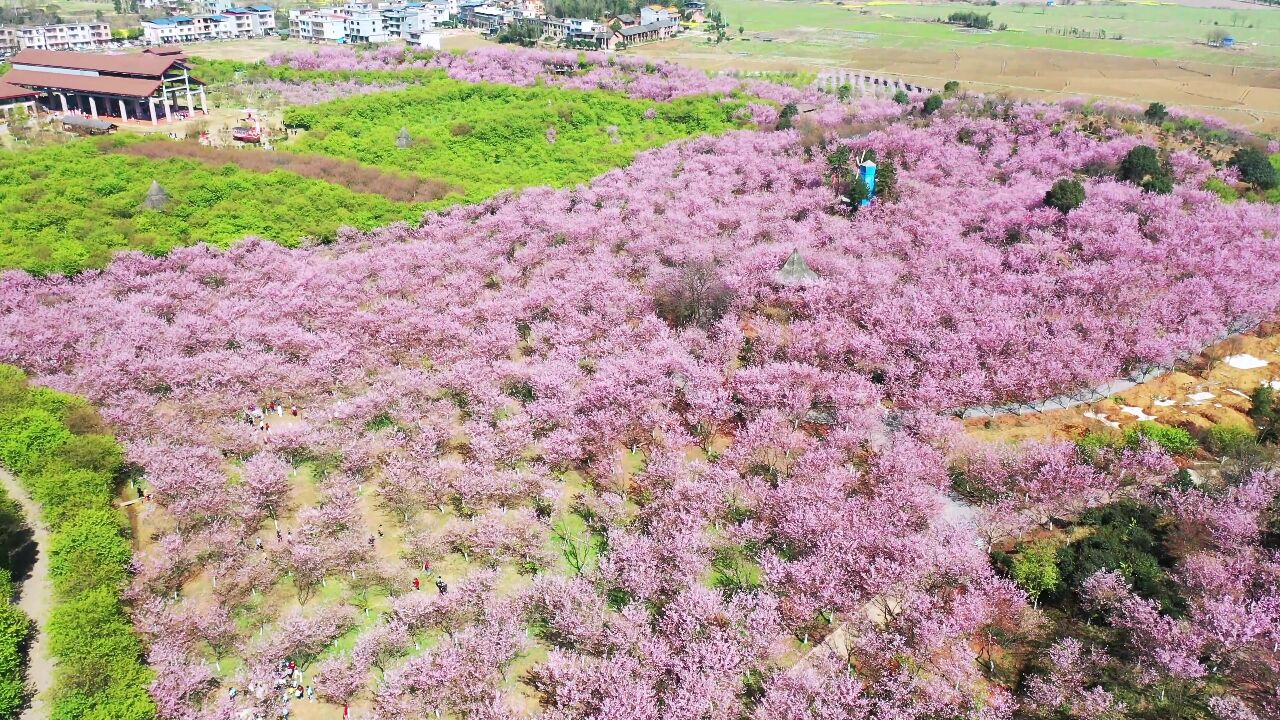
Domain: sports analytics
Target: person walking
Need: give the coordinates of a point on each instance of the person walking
(442, 586)
(417, 584)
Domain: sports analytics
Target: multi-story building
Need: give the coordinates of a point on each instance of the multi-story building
(253, 20)
(8, 39)
(235, 22)
(70, 36)
(318, 25)
(411, 21)
(362, 22)
(485, 17)
(649, 15)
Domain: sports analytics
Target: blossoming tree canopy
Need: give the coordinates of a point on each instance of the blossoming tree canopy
(619, 450)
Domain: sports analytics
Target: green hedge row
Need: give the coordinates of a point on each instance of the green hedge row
(63, 455)
(15, 633)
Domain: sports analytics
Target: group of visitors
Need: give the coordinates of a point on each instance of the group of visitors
(257, 416)
(288, 684)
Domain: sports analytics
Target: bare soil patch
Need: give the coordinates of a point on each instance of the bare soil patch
(349, 174)
(1213, 390)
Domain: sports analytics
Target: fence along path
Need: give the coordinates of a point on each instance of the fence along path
(864, 84)
(1097, 393)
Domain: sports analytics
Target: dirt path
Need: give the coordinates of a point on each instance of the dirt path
(36, 600)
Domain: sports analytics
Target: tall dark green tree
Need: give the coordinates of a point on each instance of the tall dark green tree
(1142, 167)
(1255, 168)
(1066, 195)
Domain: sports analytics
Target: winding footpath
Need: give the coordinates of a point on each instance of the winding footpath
(35, 601)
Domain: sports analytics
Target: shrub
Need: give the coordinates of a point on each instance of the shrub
(1229, 440)
(1035, 569)
(1066, 195)
(932, 104)
(1255, 168)
(1172, 439)
(28, 436)
(15, 631)
(1142, 167)
(1156, 112)
(901, 97)
(1096, 441)
(100, 674)
(1139, 164)
(1125, 537)
(1221, 189)
(951, 87)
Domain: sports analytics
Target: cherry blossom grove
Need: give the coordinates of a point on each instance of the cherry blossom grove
(637, 77)
(756, 463)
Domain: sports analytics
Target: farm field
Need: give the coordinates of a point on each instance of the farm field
(1158, 60)
(1165, 32)
(655, 412)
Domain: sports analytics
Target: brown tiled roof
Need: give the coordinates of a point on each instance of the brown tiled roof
(131, 87)
(9, 92)
(164, 50)
(130, 64)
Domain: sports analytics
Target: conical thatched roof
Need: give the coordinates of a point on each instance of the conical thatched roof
(795, 271)
(157, 198)
(404, 139)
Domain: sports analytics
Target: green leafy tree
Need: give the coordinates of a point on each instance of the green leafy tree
(786, 118)
(1156, 112)
(901, 97)
(1255, 168)
(1035, 570)
(978, 21)
(1141, 166)
(887, 180)
(856, 193)
(932, 104)
(100, 674)
(951, 87)
(1066, 195)
(1264, 413)
(1128, 538)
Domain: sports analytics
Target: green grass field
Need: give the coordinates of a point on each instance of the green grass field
(1164, 31)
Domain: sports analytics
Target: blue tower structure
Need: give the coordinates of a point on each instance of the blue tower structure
(867, 171)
